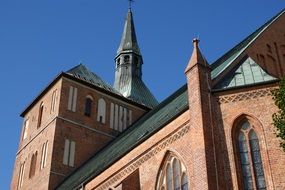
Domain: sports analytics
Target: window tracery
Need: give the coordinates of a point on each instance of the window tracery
(250, 161)
(173, 175)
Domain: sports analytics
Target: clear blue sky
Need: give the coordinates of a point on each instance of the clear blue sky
(39, 39)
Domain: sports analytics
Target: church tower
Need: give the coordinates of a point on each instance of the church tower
(76, 115)
(129, 61)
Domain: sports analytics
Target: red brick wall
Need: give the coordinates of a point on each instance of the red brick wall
(34, 142)
(59, 125)
(256, 105)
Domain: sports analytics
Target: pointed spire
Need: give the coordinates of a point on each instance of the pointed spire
(129, 40)
(197, 57)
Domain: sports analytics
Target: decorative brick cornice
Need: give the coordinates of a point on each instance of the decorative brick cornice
(145, 156)
(245, 95)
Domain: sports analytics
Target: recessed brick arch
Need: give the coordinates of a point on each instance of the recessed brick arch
(258, 128)
(169, 158)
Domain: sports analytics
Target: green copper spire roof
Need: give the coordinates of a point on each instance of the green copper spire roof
(128, 72)
(129, 40)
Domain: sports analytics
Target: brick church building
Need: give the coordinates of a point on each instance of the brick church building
(215, 132)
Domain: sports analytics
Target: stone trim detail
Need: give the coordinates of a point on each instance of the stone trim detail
(245, 96)
(138, 161)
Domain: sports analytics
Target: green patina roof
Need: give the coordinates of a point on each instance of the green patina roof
(167, 111)
(247, 72)
(139, 92)
(136, 90)
(129, 41)
(80, 71)
(223, 62)
(132, 137)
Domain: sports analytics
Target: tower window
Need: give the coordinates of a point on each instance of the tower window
(118, 62)
(44, 155)
(53, 101)
(40, 116)
(69, 153)
(33, 165)
(25, 129)
(101, 117)
(88, 106)
(21, 175)
(126, 58)
(72, 98)
(250, 161)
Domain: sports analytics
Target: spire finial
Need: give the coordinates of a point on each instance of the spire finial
(197, 58)
(130, 4)
(195, 42)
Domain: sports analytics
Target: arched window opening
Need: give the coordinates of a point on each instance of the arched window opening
(53, 101)
(169, 177)
(101, 117)
(126, 58)
(118, 62)
(40, 116)
(25, 129)
(33, 165)
(88, 106)
(176, 174)
(250, 158)
(21, 175)
(257, 161)
(172, 175)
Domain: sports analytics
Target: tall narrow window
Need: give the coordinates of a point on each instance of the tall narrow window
(88, 106)
(53, 101)
(25, 129)
(44, 155)
(69, 153)
(169, 177)
(40, 115)
(21, 175)
(172, 175)
(101, 117)
(33, 165)
(250, 158)
(256, 159)
(72, 98)
(176, 174)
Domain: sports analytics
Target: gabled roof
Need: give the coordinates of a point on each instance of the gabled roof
(81, 74)
(80, 71)
(166, 111)
(223, 62)
(137, 133)
(247, 72)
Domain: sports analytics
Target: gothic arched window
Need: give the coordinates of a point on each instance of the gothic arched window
(88, 106)
(172, 175)
(250, 161)
(33, 165)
